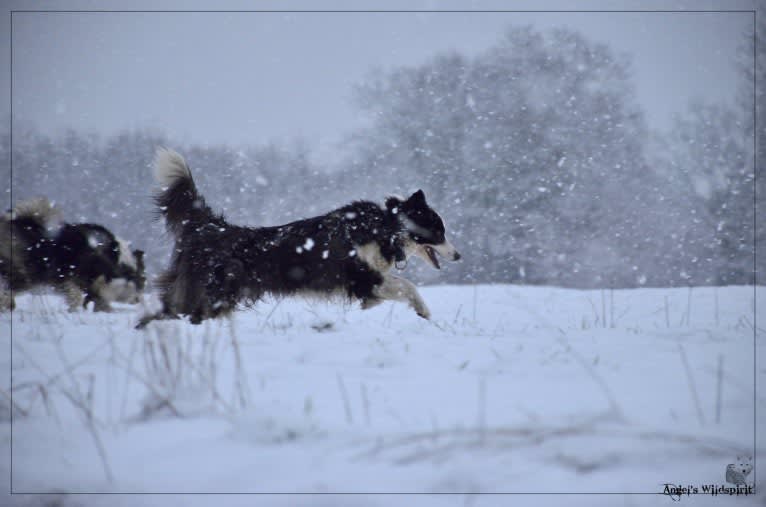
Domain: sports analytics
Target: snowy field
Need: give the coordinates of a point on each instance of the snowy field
(509, 389)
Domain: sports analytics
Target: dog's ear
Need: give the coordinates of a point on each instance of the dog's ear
(393, 203)
(417, 198)
(139, 255)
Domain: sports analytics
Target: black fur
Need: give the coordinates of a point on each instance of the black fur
(82, 255)
(216, 265)
(430, 226)
(243, 264)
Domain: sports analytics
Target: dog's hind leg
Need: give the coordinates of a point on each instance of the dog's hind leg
(6, 296)
(71, 293)
(6, 301)
(398, 289)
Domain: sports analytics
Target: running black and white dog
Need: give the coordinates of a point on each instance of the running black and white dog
(75, 259)
(348, 252)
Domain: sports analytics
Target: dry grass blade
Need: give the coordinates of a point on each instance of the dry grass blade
(692, 386)
(14, 405)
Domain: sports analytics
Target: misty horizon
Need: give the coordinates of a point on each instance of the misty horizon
(250, 78)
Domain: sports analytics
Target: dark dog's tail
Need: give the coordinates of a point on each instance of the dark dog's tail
(38, 210)
(178, 200)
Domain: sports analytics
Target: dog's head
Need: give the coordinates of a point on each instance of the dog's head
(130, 279)
(425, 232)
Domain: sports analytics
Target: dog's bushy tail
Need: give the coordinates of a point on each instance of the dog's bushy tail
(38, 209)
(178, 200)
(29, 218)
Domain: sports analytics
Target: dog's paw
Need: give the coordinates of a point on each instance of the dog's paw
(424, 312)
(145, 320)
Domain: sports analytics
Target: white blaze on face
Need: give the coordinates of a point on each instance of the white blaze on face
(126, 255)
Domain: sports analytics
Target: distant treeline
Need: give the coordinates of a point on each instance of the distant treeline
(535, 152)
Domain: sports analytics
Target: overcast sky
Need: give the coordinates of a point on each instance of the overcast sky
(247, 78)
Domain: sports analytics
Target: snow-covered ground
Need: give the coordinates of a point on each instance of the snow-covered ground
(509, 389)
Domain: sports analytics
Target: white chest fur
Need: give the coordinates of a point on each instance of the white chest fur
(370, 254)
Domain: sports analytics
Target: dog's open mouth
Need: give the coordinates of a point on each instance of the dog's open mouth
(431, 253)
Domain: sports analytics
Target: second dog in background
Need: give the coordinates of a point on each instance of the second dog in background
(83, 262)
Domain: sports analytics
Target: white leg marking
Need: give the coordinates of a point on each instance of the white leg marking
(398, 289)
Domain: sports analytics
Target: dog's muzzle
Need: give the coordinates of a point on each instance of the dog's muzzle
(446, 250)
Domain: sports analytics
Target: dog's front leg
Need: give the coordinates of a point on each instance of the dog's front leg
(98, 292)
(398, 289)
